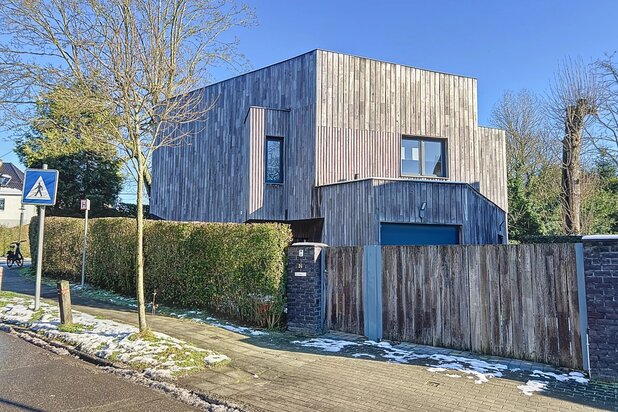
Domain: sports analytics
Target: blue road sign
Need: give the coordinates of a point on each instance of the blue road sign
(40, 187)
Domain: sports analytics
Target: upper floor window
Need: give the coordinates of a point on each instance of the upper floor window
(1, 204)
(423, 157)
(274, 159)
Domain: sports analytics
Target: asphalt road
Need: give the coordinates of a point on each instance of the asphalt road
(34, 379)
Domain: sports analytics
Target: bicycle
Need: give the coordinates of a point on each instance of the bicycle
(14, 256)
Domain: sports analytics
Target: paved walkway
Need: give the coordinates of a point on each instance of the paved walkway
(267, 373)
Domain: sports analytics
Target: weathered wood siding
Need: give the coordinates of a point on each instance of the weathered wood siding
(364, 107)
(492, 156)
(507, 300)
(207, 178)
(354, 210)
(339, 116)
(344, 289)
(266, 200)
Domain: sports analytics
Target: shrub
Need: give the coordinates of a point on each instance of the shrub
(62, 251)
(10, 234)
(233, 269)
(550, 239)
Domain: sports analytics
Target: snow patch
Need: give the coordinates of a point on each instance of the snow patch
(327, 345)
(563, 377)
(239, 329)
(476, 369)
(367, 355)
(532, 386)
(213, 358)
(163, 357)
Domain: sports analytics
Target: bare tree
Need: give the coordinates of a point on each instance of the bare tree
(604, 136)
(527, 149)
(573, 100)
(141, 58)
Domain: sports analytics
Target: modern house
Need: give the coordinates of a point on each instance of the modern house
(348, 150)
(11, 184)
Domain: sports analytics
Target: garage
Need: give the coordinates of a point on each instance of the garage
(418, 234)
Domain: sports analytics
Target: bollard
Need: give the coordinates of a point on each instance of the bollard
(64, 301)
(1, 269)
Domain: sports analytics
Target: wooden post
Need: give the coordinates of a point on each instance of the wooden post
(64, 301)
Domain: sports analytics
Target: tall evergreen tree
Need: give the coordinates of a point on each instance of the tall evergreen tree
(69, 134)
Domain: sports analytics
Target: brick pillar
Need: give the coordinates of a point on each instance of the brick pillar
(601, 274)
(304, 288)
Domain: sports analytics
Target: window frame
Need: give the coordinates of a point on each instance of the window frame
(421, 155)
(281, 160)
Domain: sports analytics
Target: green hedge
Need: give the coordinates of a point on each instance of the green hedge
(10, 234)
(233, 269)
(550, 239)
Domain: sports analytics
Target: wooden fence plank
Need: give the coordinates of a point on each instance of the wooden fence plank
(562, 309)
(475, 299)
(552, 263)
(515, 286)
(509, 300)
(506, 320)
(484, 299)
(570, 268)
(343, 289)
(525, 274)
(494, 297)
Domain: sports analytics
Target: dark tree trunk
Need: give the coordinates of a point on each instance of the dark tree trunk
(571, 168)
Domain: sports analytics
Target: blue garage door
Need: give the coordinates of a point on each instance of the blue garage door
(415, 234)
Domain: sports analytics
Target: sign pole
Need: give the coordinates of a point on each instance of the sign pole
(21, 222)
(85, 205)
(39, 256)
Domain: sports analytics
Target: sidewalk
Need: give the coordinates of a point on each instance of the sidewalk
(270, 372)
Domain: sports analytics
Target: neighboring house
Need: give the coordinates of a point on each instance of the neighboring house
(10, 197)
(348, 150)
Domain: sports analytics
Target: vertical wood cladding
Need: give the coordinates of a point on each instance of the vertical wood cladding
(353, 210)
(266, 200)
(339, 116)
(207, 178)
(365, 106)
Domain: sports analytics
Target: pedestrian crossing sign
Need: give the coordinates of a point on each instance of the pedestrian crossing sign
(40, 187)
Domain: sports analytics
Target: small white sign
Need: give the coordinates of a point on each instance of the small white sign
(300, 273)
(301, 253)
(84, 204)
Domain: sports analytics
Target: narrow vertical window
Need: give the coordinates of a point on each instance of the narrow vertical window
(274, 160)
(1, 204)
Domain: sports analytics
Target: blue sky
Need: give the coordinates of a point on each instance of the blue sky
(506, 45)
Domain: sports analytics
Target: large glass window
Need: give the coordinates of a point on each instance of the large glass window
(423, 157)
(274, 160)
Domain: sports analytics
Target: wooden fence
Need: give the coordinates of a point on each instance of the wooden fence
(344, 289)
(518, 301)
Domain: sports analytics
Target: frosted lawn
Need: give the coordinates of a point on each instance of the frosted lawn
(159, 355)
(197, 316)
